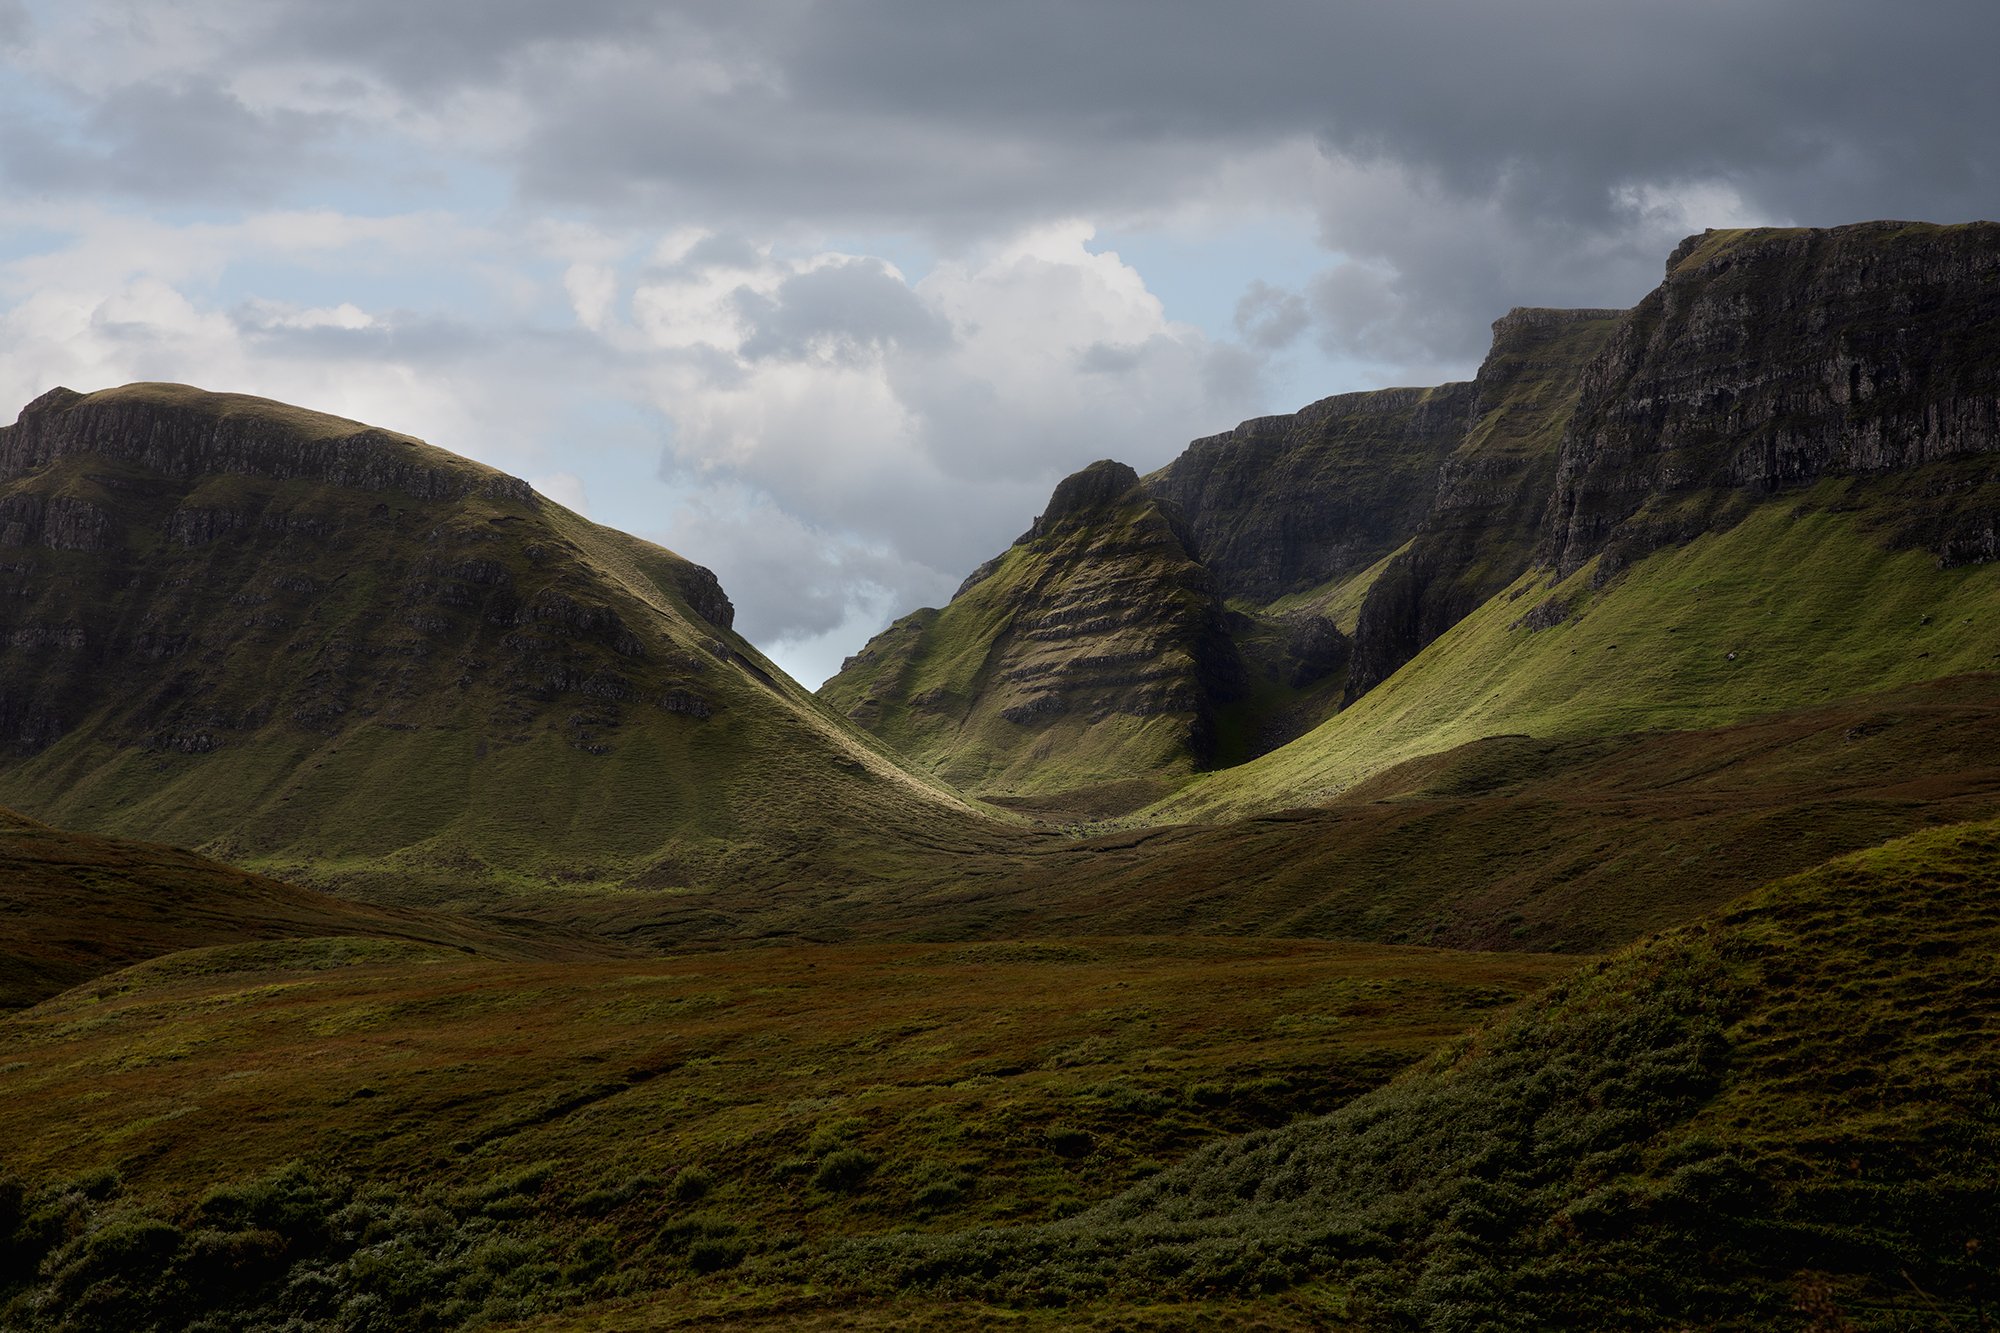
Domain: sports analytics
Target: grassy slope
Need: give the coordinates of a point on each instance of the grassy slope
(939, 684)
(73, 906)
(669, 1116)
(1800, 592)
(338, 697)
(1509, 842)
(1783, 1116)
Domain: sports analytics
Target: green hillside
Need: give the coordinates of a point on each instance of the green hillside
(1805, 600)
(317, 649)
(1088, 652)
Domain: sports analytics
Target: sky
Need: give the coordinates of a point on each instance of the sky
(828, 294)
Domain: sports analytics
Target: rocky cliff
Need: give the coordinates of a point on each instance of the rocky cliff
(289, 637)
(1283, 504)
(1347, 537)
(1092, 650)
(1484, 519)
(1768, 359)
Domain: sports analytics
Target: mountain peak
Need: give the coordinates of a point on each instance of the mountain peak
(1094, 489)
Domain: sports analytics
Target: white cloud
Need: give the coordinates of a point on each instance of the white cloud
(565, 488)
(910, 428)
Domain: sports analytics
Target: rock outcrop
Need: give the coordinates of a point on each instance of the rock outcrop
(1768, 359)
(1484, 520)
(1285, 503)
(1091, 650)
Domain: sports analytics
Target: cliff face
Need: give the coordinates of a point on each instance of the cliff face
(1090, 651)
(232, 623)
(1285, 503)
(1768, 359)
(1480, 530)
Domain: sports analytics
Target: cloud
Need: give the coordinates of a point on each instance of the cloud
(844, 310)
(1269, 317)
(905, 429)
(196, 140)
(819, 276)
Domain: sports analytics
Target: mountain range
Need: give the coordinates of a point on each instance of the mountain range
(1462, 857)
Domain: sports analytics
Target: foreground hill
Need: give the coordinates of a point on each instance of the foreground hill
(327, 1135)
(1781, 1117)
(309, 645)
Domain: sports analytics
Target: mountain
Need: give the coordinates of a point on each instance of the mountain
(324, 650)
(1770, 485)
(1737, 524)
(1507, 855)
(1097, 635)
(1307, 556)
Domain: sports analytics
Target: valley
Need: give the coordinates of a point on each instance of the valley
(1514, 851)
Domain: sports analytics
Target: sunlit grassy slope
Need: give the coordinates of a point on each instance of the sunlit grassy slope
(1798, 603)
(420, 1136)
(1781, 1117)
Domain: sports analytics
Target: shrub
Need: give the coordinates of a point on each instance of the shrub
(844, 1171)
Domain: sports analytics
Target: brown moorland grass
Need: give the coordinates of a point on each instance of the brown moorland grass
(783, 1095)
(1509, 842)
(74, 906)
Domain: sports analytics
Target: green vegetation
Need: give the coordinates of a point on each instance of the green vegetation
(1797, 604)
(1082, 656)
(1344, 1053)
(1747, 1123)
(619, 1127)
(352, 659)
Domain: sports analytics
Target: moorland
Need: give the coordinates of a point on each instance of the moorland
(1519, 853)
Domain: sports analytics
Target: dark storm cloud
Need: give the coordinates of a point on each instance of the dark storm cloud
(921, 109)
(1492, 153)
(193, 141)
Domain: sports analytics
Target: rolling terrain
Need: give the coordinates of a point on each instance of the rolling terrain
(1506, 855)
(78, 906)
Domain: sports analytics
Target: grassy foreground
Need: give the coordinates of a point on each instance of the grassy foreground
(1785, 1116)
(379, 1134)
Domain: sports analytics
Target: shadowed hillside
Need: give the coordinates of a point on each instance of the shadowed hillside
(315, 647)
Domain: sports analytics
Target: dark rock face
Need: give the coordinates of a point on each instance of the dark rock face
(1769, 359)
(1132, 628)
(1286, 503)
(1084, 495)
(1483, 523)
(183, 433)
(702, 591)
(160, 557)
